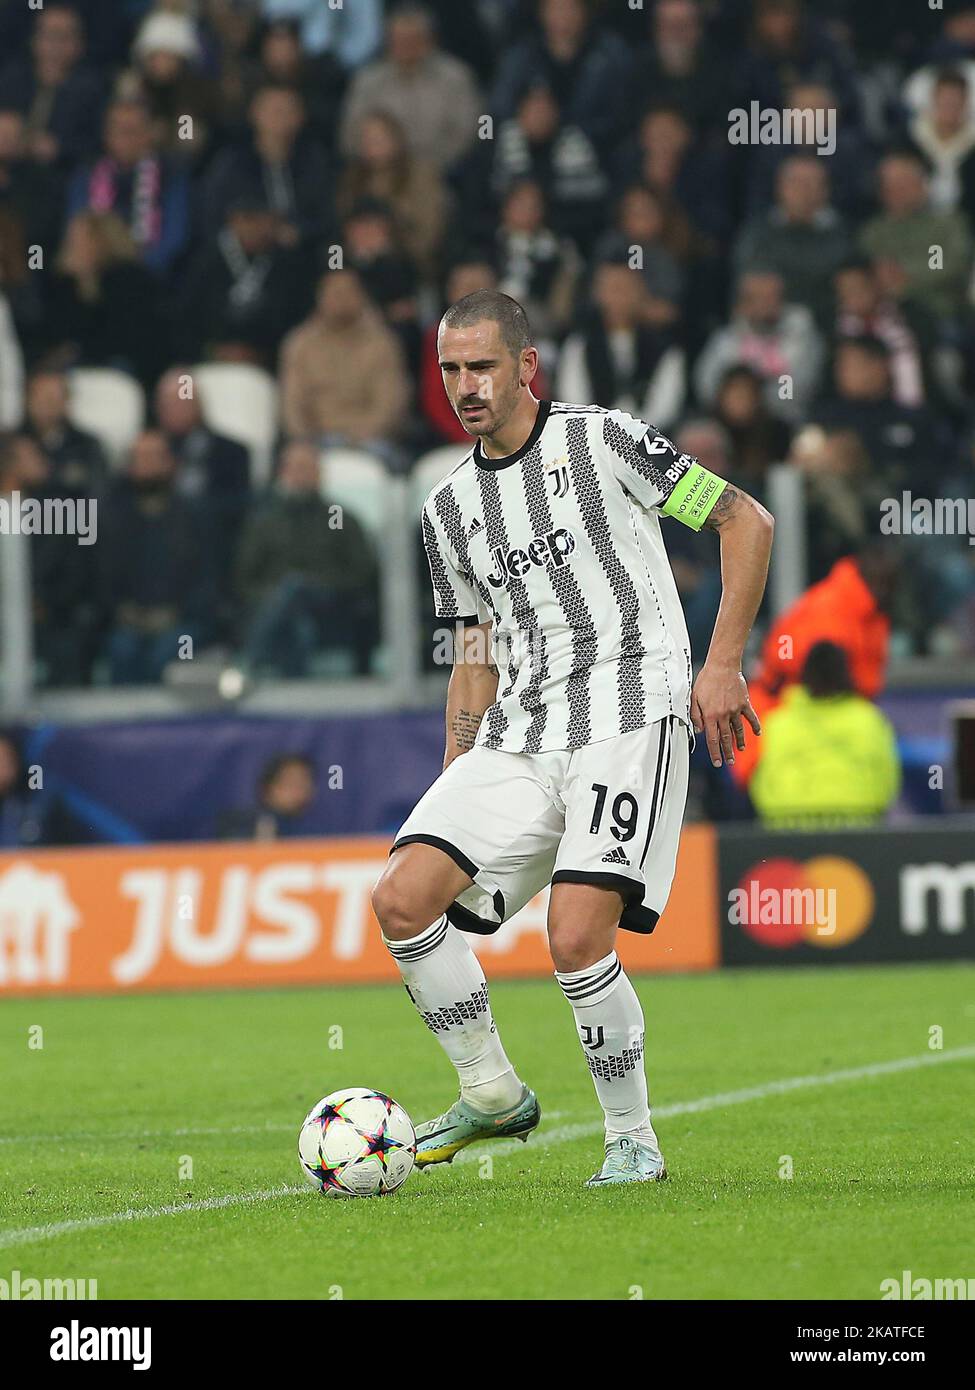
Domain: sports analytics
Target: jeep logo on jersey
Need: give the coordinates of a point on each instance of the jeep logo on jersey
(553, 548)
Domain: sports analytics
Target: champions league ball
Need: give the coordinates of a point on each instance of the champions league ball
(356, 1143)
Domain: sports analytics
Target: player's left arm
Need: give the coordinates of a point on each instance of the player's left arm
(720, 702)
(651, 469)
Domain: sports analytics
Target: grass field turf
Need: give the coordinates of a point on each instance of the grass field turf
(97, 1123)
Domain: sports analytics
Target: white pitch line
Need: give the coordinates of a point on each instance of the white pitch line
(500, 1149)
(695, 1107)
(118, 1218)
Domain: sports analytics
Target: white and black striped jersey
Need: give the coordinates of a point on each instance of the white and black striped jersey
(559, 545)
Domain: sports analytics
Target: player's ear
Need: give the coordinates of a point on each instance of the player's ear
(528, 366)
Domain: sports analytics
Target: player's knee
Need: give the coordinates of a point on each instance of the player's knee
(395, 912)
(572, 945)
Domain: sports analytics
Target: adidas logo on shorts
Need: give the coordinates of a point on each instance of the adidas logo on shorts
(615, 856)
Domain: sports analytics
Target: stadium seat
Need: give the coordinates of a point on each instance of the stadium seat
(110, 405)
(241, 401)
(428, 471)
(360, 481)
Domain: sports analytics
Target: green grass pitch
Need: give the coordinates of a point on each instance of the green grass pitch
(125, 1094)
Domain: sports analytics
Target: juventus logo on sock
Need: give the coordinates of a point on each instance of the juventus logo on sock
(593, 1037)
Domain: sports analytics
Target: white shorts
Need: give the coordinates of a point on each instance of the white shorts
(609, 814)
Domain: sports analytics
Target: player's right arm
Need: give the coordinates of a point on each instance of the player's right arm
(473, 684)
(472, 690)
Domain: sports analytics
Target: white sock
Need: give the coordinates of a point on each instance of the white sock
(610, 1023)
(444, 979)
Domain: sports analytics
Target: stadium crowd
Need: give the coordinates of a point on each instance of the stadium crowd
(304, 187)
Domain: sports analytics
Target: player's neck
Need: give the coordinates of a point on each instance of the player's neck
(517, 429)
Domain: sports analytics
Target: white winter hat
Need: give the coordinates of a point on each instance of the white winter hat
(167, 33)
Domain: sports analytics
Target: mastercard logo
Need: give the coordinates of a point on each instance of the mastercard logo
(827, 901)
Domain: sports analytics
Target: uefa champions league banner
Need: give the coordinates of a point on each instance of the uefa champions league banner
(131, 918)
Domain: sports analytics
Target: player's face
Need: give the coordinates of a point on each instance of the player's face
(481, 376)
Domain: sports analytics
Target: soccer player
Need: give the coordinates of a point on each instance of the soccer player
(569, 721)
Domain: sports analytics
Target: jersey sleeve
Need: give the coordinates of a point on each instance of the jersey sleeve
(651, 469)
(454, 594)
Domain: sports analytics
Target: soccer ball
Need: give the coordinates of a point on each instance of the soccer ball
(357, 1143)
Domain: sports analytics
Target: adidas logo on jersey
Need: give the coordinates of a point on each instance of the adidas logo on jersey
(476, 526)
(615, 856)
(553, 548)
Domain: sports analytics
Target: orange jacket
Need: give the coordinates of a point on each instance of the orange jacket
(840, 609)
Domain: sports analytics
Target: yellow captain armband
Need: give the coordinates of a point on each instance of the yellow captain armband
(694, 496)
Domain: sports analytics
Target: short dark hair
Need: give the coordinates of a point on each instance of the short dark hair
(276, 765)
(826, 671)
(501, 309)
(866, 342)
(951, 77)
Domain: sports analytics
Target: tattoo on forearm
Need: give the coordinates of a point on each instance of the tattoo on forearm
(726, 506)
(464, 728)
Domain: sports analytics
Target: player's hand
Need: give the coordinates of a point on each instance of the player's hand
(719, 708)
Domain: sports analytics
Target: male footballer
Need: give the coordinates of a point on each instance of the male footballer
(570, 713)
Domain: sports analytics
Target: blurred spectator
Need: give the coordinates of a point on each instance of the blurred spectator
(906, 231)
(147, 191)
(102, 305)
(30, 813)
(801, 238)
(351, 33)
(30, 191)
(59, 97)
(756, 437)
(63, 603)
(388, 276)
(863, 310)
(778, 340)
(829, 757)
(306, 573)
(244, 291)
(318, 77)
(78, 465)
(789, 42)
(168, 79)
(688, 174)
(383, 168)
(680, 67)
(281, 163)
(619, 359)
(286, 792)
(907, 446)
(643, 237)
(586, 68)
(850, 164)
(535, 266)
(213, 471)
(955, 48)
(342, 372)
(20, 284)
(843, 494)
(850, 607)
(11, 356)
(235, 31)
(433, 95)
(944, 134)
(155, 567)
(535, 143)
